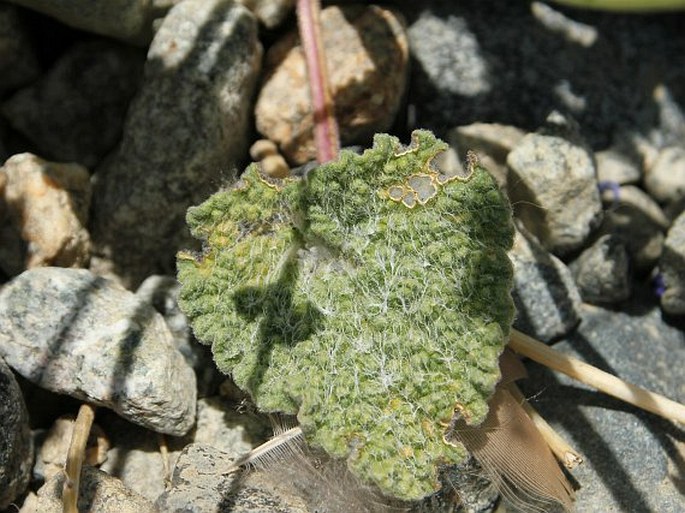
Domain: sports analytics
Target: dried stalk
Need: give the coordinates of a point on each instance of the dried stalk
(566, 454)
(75, 456)
(596, 378)
(326, 135)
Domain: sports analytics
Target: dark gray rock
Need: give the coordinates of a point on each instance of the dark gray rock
(545, 294)
(665, 179)
(16, 446)
(99, 492)
(82, 335)
(128, 20)
(18, 63)
(602, 272)
(553, 186)
(632, 462)
(187, 125)
(672, 267)
(638, 221)
(76, 111)
(202, 483)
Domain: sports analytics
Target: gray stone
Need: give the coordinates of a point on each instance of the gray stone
(545, 294)
(82, 335)
(632, 462)
(98, 493)
(18, 63)
(672, 267)
(187, 125)
(665, 180)
(128, 20)
(202, 483)
(270, 12)
(602, 271)
(16, 447)
(76, 111)
(638, 221)
(616, 167)
(44, 209)
(553, 186)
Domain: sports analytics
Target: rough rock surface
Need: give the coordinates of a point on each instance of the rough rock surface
(672, 266)
(602, 271)
(270, 12)
(18, 63)
(546, 297)
(638, 221)
(553, 186)
(45, 212)
(367, 55)
(665, 180)
(16, 447)
(186, 126)
(614, 166)
(75, 112)
(128, 20)
(99, 493)
(201, 484)
(632, 459)
(82, 335)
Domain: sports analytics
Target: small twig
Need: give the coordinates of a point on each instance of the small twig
(596, 378)
(75, 456)
(164, 453)
(568, 456)
(326, 135)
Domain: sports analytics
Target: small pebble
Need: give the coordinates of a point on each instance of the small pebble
(665, 180)
(639, 223)
(367, 57)
(46, 211)
(672, 267)
(602, 271)
(271, 13)
(614, 166)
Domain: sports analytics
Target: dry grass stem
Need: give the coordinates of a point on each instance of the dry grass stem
(596, 378)
(566, 454)
(164, 453)
(75, 456)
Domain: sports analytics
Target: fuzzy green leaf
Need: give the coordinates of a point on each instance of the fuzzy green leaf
(372, 299)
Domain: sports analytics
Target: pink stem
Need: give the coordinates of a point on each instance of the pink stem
(326, 135)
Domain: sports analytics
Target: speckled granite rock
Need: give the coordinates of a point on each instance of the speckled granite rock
(201, 484)
(16, 447)
(602, 271)
(82, 335)
(632, 462)
(367, 55)
(18, 63)
(45, 212)
(672, 267)
(99, 493)
(75, 112)
(187, 125)
(128, 20)
(665, 179)
(552, 184)
(545, 294)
